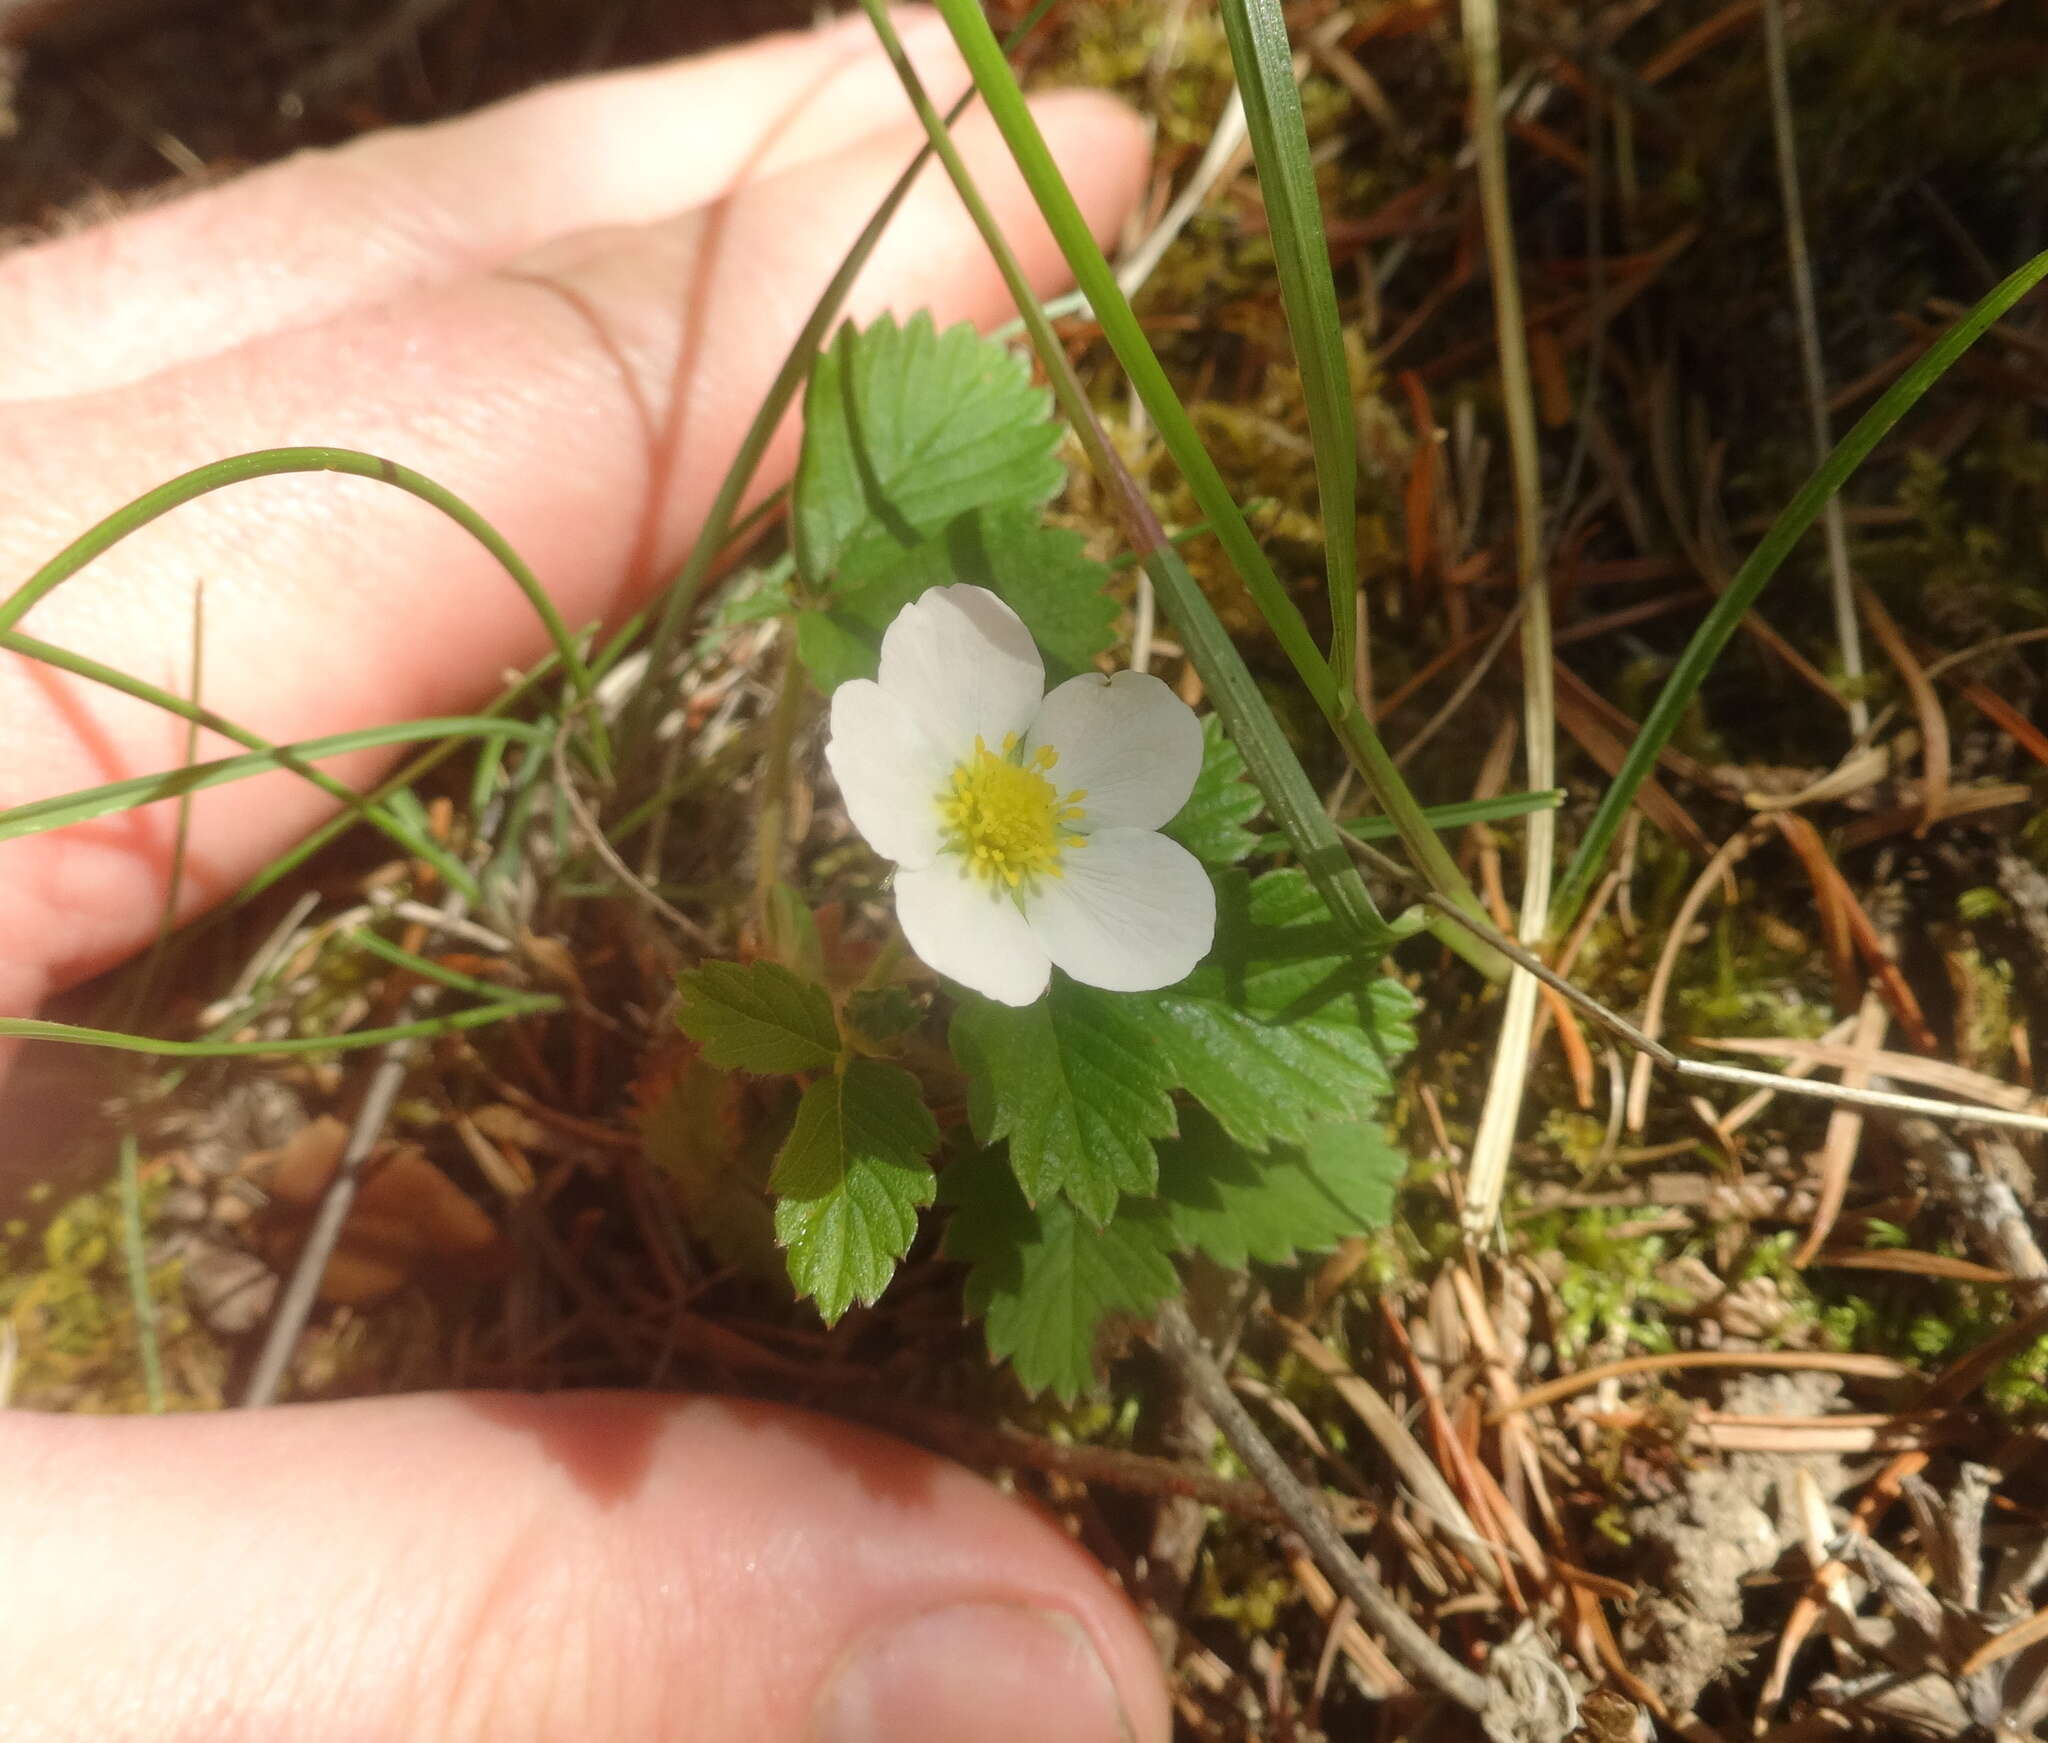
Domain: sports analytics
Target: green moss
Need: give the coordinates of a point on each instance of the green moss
(1239, 1584)
(65, 1297)
(2018, 1386)
(1607, 1281)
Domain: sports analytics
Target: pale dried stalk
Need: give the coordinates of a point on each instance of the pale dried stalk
(1716, 870)
(1848, 632)
(1837, 1154)
(1487, 1175)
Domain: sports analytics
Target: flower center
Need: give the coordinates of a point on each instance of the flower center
(1005, 818)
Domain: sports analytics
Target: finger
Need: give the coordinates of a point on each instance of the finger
(587, 403)
(302, 240)
(480, 1566)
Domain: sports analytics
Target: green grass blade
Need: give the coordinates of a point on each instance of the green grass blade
(1467, 811)
(476, 1017)
(144, 982)
(90, 802)
(1289, 794)
(1279, 134)
(382, 816)
(1120, 326)
(269, 463)
(1799, 514)
(376, 944)
(400, 779)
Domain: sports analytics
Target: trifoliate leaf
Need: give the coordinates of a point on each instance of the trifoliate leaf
(758, 1016)
(1237, 1205)
(849, 1182)
(1211, 825)
(1043, 1279)
(1076, 1086)
(1281, 1025)
(1043, 573)
(906, 427)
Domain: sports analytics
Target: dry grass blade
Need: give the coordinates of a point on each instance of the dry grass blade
(1865, 1367)
(1812, 370)
(1751, 1105)
(1837, 1154)
(1695, 42)
(1375, 1669)
(1717, 870)
(1830, 887)
(1484, 1502)
(1938, 1074)
(1486, 1175)
(1961, 802)
(1859, 770)
(1908, 1262)
(1831, 902)
(1926, 708)
(2000, 1646)
(1829, 1571)
(2001, 713)
(1432, 1491)
(1581, 714)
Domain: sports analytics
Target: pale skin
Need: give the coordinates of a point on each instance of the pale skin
(564, 310)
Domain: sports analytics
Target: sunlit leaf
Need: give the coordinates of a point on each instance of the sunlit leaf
(849, 1182)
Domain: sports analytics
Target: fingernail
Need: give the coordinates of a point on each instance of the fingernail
(976, 1673)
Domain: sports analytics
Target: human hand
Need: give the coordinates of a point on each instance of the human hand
(564, 309)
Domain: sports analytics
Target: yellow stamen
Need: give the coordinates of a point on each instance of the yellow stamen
(1008, 821)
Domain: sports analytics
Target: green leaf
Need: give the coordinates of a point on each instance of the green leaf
(1043, 1279)
(758, 1016)
(1211, 825)
(1237, 1205)
(1282, 1025)
(883, 1013)
(906, 427)
(1042, 573)
(842, 642)
(1045, 575)
(850, 1180)
(1075, 1085)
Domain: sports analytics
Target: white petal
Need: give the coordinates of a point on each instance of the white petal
(1128, 741)
(1133, 912)
(889, 771)
(962, 928)
(963, 663)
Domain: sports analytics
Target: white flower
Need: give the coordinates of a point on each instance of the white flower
(1004, 868)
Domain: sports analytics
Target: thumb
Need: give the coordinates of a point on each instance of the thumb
(488, 1566)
